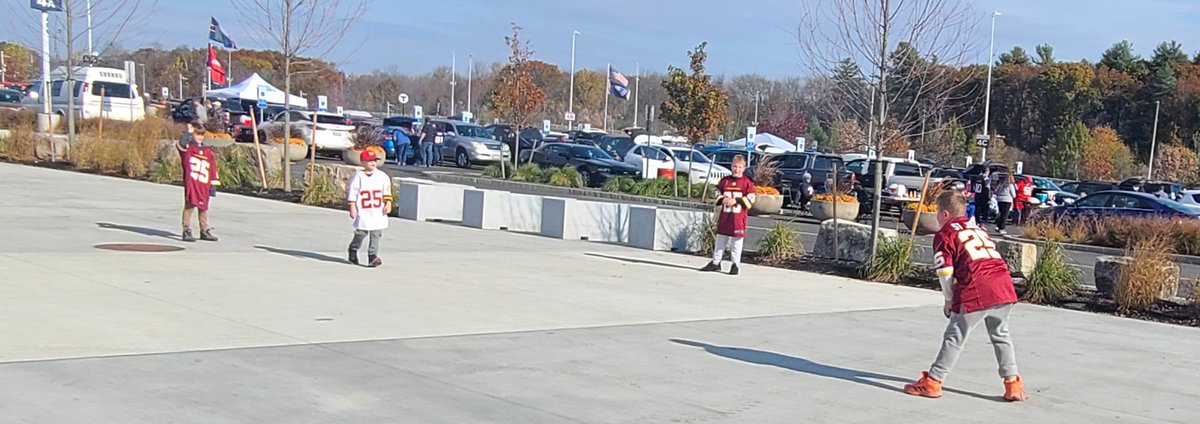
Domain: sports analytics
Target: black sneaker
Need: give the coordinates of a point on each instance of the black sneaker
(711, 267)
(207, 235)
(733, 270)
(354, 256)
(188, 237)
(375, 261)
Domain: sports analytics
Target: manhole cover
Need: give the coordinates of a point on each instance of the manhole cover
(139, 247)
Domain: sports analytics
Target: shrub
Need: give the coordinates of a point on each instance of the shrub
(275, 178)
(1052, 278)
(566, 176)
(765, 173)
(780, 243)
(619, 185)
(323, 191)
(656, 187)
(528, 172)
(236, 168)
(706, 234)
(1141, 280)
(891, 261)
(20, 144)
(10, 119)
(166, 172)
(499, 170)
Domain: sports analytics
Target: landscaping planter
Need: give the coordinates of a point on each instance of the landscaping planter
(823, 210)
(926, 221)
(1108, 269)
(766, 204)
(295, 152)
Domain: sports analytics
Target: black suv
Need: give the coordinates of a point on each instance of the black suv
(792, 166)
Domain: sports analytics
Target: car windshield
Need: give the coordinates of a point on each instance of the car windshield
(331, 119)
(1042, 183)
(684, 154)
(588, 152)
(472, 131)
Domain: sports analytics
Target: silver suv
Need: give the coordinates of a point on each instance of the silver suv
(466, 143)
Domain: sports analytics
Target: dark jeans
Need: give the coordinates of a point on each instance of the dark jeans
(1002, 220)
(981, 211)
(427, 154)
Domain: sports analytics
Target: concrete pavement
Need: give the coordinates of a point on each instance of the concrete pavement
(466, 326)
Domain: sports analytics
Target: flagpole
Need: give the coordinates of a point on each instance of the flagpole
(637, 83)
(229, 71)
(607, 92)
(207, 69)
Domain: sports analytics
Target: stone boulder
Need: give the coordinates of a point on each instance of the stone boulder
(1108, 270)
(853, 240)
(1020, 257)
(341, 173)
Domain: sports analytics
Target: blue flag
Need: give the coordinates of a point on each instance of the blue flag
(218, 36)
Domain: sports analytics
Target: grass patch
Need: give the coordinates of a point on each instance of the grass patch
(779, 243)
(166, 171)
(236, 168)
(891, 261)
(20, 144)
(499, 170)
(529, 173)
(1142, 279)
(619, 185)
(1052, 279)
(566, 176)
(323, 191)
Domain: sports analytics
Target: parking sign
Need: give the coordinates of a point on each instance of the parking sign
(418, 112)
(750, 133)
(47, 5)
(262, 97)
(545, 127)
(322, 104)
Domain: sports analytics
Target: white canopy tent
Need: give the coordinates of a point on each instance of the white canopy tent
(248, 90)
(765, 142)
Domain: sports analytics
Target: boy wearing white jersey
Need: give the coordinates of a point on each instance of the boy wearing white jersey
(370, 197)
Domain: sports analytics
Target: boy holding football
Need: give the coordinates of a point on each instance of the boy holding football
(369, 196)
(735, 194)
(978, 289)
(199, 184)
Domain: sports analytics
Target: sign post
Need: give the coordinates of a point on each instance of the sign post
(418, 112)
(870, 153)
(800, 144)
(322, 104)
(912, 155)
(1020, 168)
(750, 133)
(46, 120)
(569, 116)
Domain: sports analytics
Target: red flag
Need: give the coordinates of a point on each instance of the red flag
(215, 71)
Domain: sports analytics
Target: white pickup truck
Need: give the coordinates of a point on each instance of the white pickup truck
(902, 179)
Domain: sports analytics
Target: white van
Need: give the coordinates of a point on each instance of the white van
(121, 100)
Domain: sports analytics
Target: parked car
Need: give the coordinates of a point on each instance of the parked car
(586, 136)
(96, 90)
(902, 179)
(725, 157)
(1190, 197)
(792, 166)
(10, 96)
(330, 134)
(1054, 193)
(1083, 188)
(468, 144)
(594, 165)
(651, 159)
(1173, 190)
(1115, 203)
(615, 145)
(699, 169)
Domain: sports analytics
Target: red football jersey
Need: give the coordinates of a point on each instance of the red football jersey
(199, 176)
(981, 278)
(732, 220)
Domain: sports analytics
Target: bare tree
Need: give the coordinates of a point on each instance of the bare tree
(916, 45)
(299, 29)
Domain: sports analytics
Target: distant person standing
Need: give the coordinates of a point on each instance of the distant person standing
(400, 143)
(982, 190)
(369, 197)
(199, 184)
(735, 195)
(1024, 193)
(1006, 193)
(428, 137)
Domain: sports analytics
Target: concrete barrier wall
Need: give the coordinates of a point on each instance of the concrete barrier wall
(486, 209)
(665, 229)
(571, 219)
(423, 202)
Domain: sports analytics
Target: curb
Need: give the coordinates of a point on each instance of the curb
(1110, 251)
(504, 184)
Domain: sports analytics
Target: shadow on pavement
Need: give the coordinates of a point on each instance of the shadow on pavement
(760, 357)
(641, 261)
(304, 254)
(152, 232)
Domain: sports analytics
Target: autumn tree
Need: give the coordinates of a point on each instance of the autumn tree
(788, 128)
(516, 97)
(1175, 162)
(1106, 157)
(694, 105)
(1065, 152)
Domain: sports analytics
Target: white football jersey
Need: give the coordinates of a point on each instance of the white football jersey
(370, 193)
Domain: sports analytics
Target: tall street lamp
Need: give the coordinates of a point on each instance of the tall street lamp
(987, 102)
(470, 78)
(571, 104)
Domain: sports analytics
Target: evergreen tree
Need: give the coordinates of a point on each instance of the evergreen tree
(1045, 54)
(1017, 57)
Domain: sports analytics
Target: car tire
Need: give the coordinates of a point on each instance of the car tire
(585, 177)
(461, 159)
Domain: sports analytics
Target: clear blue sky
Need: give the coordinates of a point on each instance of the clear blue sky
(746, 36)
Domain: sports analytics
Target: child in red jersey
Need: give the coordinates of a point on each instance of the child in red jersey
(978, 288)
(735, 194)
(199, 184)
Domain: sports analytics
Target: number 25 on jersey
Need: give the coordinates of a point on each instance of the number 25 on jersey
(978, 244)
(199, 169)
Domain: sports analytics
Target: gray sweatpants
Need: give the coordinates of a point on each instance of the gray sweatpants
(373, 247)
(996, 320)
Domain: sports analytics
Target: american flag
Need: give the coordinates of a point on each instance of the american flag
(619, 84)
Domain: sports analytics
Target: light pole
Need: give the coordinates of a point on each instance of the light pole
(453, 82)
(756, 98)
(91, 49)
(571, 104)
(1153, 141)
(987, 102)
(470, 78)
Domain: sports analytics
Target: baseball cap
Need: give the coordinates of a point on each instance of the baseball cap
(368, 156)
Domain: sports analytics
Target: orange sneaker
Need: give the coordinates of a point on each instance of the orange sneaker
(1014, 391)
(926, 387)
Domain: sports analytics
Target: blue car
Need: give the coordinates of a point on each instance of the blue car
(1109, 204)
